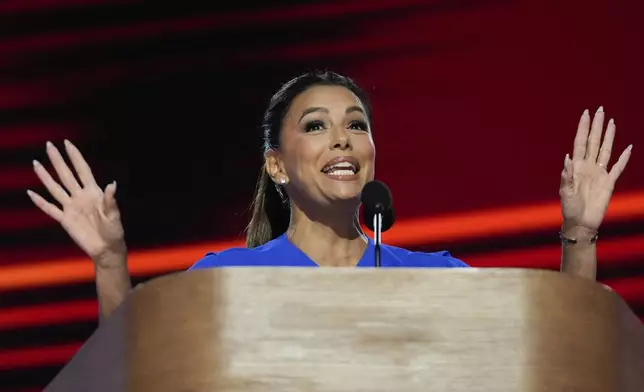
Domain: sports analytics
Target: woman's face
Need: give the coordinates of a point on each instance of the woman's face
(327, 151)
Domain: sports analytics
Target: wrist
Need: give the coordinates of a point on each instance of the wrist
(113, 259)
(577, 234)
(112, 273)
(573, 227)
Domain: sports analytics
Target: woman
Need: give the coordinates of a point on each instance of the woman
(319, 153)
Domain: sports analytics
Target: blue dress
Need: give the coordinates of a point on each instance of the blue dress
(280, 252)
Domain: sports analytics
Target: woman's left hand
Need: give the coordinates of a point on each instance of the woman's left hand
(586, 182)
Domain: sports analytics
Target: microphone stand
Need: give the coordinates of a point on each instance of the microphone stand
(377, 236)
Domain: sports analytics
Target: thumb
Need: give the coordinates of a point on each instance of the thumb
(109, 200)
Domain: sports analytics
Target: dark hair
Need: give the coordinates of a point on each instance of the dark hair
(271, 207)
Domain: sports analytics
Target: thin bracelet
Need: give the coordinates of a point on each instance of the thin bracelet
(572, 241)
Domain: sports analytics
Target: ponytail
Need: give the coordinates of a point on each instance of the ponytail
(271, 213)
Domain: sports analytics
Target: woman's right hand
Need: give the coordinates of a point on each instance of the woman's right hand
(88, 214)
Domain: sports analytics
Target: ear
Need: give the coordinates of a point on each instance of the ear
(273, 166)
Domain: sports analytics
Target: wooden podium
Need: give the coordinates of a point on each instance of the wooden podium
(335, 329)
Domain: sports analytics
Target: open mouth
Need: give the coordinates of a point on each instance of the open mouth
(342, 167)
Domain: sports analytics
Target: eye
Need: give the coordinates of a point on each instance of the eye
(359, 125)
(315, 125)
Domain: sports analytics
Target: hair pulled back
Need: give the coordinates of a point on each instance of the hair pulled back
(271, 207)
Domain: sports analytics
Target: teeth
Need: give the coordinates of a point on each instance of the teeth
(342, 166)
(341, 173)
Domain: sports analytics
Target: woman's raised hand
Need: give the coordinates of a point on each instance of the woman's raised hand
(587, 181)
(88, 214)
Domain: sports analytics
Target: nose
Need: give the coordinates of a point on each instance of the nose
(341, 140)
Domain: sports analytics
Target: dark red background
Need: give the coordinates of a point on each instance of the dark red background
(476, 104)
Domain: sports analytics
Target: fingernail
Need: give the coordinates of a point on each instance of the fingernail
(611, 122)
(67, 143)
(30, 193)
(36, 163)
(585, 113)
(49, 144)
(114, 182)
(600, 110)
(630, 147)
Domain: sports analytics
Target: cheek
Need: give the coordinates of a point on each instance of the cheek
(304, 159)
(368, 152)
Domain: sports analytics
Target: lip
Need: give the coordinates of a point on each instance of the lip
(337, 160)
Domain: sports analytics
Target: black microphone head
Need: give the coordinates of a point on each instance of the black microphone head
(388, 218)
(376, 197)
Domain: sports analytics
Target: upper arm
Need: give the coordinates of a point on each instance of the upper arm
(457, 263)
(208, 261)
(452, 261)
(441, 259)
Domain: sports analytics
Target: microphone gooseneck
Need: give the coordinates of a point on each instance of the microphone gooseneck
(378, 213)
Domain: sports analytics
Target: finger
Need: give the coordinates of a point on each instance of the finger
(109, 198)
(52, 186)
(566, 167)
(80, 165)
(594, 140)
(607, 144)
(45, 206)
(66, 176)
(581, 138)
(566, 176)
(620, 165)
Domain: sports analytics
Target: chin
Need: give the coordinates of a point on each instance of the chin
(346, 192)
(343, 188)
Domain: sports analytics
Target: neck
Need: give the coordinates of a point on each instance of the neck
(330, 238)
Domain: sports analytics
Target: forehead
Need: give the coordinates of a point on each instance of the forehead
(329, 97)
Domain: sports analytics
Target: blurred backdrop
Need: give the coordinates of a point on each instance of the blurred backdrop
(476, 104)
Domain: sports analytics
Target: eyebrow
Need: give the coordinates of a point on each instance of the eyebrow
(312, 110)
(354, 109)
(350, 109)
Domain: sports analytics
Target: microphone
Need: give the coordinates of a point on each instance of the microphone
(378, 212)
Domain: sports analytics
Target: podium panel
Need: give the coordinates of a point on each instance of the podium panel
(357, 329)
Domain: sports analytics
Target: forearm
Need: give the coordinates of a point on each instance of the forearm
(112, 284)
(579, 259)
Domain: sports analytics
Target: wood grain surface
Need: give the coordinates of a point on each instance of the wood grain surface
(336, 329)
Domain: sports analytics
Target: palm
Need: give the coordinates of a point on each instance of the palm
(586, 184)
(87, 222)
(89, 215)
